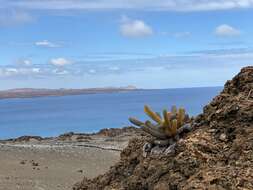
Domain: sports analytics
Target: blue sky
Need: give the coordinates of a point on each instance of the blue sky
(98, 43)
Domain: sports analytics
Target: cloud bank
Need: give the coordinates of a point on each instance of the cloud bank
(46, 44)
(155, 65)
(60, 62)
(171, 5)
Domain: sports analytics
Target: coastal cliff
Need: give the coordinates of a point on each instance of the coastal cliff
(217, 154)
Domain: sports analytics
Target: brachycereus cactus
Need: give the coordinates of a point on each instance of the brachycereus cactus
(167, 128)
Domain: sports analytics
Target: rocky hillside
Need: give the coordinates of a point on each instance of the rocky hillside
(218, 154)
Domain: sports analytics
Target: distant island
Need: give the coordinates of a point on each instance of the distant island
(40, 92)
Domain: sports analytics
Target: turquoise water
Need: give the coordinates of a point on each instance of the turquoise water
(51, 116)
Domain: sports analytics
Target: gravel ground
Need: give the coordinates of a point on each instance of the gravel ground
(53, 165)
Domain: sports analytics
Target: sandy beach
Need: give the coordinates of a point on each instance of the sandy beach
(57, 163)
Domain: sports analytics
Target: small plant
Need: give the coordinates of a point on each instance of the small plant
(168, 126)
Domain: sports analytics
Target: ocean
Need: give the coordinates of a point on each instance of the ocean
(51, 116)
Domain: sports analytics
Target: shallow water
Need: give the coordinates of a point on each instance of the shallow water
(51, 116)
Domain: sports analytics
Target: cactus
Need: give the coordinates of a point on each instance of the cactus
(152, 115)
(166, 127)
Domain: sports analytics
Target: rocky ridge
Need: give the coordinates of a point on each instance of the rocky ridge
(217, 154)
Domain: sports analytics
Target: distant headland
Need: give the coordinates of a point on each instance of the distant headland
(42, 92)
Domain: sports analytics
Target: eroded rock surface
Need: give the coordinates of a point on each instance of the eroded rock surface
(218, 154)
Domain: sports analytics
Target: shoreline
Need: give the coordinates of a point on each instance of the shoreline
(109, 132)
(38, 93)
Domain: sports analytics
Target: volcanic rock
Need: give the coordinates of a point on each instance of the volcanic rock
(218, 154)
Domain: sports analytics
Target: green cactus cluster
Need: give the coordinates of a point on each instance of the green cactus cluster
(166, 126)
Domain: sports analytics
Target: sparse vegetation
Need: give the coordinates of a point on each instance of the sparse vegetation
(167, 128)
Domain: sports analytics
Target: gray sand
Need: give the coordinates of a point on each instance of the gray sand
(56, 165)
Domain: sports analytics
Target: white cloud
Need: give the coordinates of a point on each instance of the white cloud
(171, 5)
(27, 62)
(18, 72)
(10, 71)
(24, 62)
(92, 71)
(12, 17)
(225, 30)
(36, 70)
(60, 72)
(47, 44)
(134, 28)
(60, 61)
(115, 68)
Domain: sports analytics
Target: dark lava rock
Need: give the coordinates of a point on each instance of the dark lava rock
(218, 154)
(27, 138)
(66, 136)
(112, 132)
(35, 164)
(23, 162)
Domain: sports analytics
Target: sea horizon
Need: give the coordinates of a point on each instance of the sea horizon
(88, 113)
(105, 87)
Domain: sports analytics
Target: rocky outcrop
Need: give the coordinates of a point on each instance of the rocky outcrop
(71, 136)
(218, 154)
(26, 139)
(113, 132)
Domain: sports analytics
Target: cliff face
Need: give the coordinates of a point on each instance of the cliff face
(218, 154)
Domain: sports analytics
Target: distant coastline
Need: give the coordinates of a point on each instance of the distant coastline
(37, 92)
